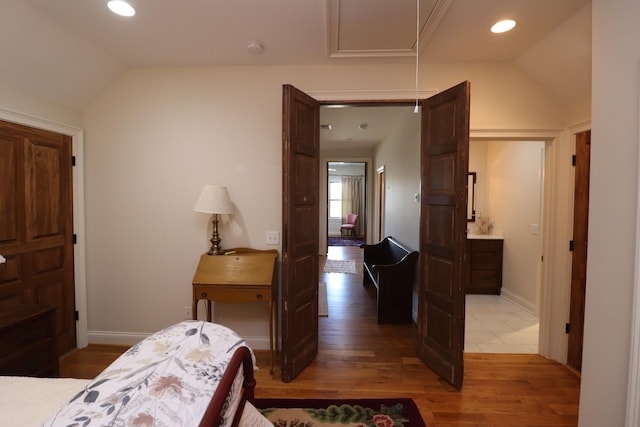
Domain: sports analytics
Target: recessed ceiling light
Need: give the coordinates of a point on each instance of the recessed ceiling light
(503, 26)
(121, 7)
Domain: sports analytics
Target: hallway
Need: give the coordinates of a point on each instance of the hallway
(493, 324)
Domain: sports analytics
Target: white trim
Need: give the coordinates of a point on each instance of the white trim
(370, 95)
(633, 392)
(79, 249)
(519, 301)
(514, 134)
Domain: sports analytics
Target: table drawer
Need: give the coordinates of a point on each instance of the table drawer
(231, 295)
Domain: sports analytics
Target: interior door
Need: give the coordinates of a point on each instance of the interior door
(444, 167)
(580, 244)
(300, 222)
(36, 224)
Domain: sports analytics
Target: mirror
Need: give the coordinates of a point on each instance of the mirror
(471, 197)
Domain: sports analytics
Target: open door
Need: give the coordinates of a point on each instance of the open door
(444, 167)
(300, 222)
(579, 248)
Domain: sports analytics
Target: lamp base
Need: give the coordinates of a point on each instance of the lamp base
(216, 249)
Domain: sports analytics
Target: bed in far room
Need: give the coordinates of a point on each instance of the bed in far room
(193, 373)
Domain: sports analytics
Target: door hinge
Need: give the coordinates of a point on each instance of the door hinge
(75, 239)
(76, 315)
(573, 160)
(570, 245)
(567, 328)
(73, 160)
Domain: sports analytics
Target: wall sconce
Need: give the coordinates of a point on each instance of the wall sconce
(214, 199)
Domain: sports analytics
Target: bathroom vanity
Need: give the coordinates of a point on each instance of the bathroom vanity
(484, 266)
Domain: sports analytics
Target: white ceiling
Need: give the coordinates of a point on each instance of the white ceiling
(67, 51)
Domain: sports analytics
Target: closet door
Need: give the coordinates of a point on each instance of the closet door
(36, 224)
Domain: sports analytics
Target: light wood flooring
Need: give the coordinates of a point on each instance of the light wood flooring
(359, 358)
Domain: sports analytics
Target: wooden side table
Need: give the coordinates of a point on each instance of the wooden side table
(247, 275)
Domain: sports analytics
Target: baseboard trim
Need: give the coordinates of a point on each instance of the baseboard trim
(517, 300)
(131, 338)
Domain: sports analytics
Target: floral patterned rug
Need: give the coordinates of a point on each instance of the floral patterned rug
(400, 412)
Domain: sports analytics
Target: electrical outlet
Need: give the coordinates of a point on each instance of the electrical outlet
(188, 314)
(272, 238)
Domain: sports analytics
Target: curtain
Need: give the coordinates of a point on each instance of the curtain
(353, 200)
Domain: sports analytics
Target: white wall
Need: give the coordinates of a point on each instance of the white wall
(612, 212)
(399, 153)
(22, 103)
(514, 199)
(156, 136)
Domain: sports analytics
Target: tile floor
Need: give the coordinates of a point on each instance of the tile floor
(496, 325)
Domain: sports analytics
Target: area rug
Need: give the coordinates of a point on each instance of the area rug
(399, 412)
(323, 304)
(340, 266)
(345, 241)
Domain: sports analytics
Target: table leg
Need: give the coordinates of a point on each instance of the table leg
(271, 332)
(208, 310)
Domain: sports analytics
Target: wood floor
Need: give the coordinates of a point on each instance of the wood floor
(359, 358)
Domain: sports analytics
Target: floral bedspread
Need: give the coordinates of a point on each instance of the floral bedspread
(165, 380)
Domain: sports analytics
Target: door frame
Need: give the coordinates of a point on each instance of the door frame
(379, 211)
(322, 240)
(551, 344)
(79, 249)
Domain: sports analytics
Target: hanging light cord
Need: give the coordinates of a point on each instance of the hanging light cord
(415, 110)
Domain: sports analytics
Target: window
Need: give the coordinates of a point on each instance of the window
(335, 200)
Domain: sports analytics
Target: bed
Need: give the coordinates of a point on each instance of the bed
(193, 373)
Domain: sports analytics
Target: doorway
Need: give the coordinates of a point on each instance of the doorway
(346, 202)
(510, 192)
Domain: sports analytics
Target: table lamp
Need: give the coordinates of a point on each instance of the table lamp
(214, 199)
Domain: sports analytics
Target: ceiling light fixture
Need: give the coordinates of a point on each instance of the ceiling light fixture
(121, 7)
(415, 109)
(503, 26)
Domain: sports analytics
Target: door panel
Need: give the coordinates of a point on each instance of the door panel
(580, 245)
(300, 208)
(36, 224)
(444, 167)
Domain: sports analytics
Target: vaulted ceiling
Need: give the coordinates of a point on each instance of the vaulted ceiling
(67, 51)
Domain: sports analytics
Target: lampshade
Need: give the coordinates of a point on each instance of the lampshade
(214, 199)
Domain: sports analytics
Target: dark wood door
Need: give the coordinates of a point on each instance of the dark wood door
(300, 222)
(444, 166)
(36, 225)
(580, 244)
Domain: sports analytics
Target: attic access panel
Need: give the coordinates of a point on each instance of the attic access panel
(366, 28)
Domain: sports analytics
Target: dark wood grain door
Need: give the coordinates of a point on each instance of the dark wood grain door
(580, 245)
(300, 222)
(36, 225)
(444, 166)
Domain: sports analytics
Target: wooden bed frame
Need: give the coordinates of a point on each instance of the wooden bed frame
(213, 414)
